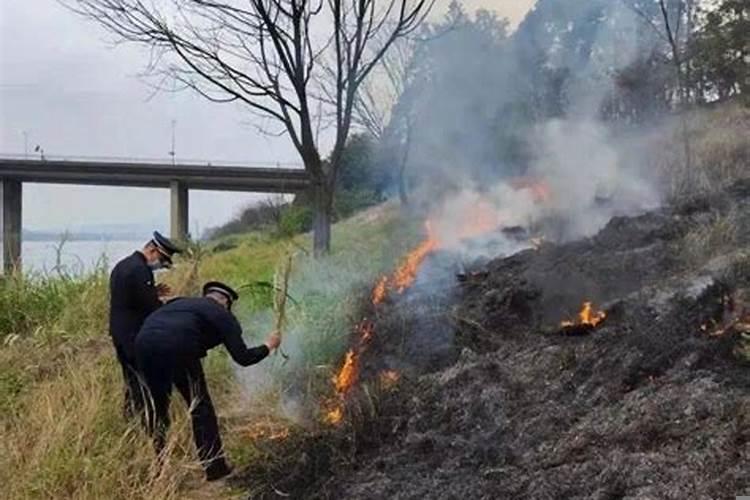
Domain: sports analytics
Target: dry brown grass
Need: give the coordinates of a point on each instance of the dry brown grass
(719, 148)
(69, 440)
(67, 437)
(714, 236)
(62, 432)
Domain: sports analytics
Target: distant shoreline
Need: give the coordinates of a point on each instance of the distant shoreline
(57, 237)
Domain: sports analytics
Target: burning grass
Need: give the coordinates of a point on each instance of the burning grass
(588, 316)
(303, 463)
(587, 320)
(397, 282)
(529, 415)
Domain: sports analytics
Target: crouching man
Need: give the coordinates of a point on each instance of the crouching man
(169, 348)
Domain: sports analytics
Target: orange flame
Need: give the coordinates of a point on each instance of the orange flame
(401, 279)
(539, 189)
(335, 415)
(405, 275)
(348, 373)
(587, 316)
(380, 291)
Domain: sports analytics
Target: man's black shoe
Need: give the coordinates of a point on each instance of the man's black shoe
(217, 471)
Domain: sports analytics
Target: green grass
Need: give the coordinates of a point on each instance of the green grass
(31, 303)
(327, 297)
(62, 432)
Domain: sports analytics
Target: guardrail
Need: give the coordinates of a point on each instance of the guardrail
(162, 161)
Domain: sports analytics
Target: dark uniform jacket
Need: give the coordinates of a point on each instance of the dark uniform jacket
(187, 328)
(133, 297)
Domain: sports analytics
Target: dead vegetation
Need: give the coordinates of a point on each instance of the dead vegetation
(717, 234)
(718, 143)
(67, 439)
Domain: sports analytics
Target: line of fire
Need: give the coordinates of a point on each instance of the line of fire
(482, 219)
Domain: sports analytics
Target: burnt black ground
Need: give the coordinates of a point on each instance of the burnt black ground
(495, 404)
(647, 406)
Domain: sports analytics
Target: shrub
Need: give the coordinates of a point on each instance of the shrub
(349, 202)
(263, 215)
(295, 219)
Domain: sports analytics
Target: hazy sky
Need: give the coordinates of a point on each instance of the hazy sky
(64, 87)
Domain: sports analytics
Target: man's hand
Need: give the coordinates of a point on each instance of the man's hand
(273, 341)
(163, 290)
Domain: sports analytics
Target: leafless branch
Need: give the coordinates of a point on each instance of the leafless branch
(268, 55)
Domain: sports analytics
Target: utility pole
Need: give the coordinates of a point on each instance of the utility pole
(25, 144)
(172, 151)
(39, 149)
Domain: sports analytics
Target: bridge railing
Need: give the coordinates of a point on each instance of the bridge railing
(161, 161)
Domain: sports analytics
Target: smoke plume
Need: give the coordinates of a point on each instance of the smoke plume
(590, 174)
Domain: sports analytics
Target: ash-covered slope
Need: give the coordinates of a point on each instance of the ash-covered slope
(649, 405)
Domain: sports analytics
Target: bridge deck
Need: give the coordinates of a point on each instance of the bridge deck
(157, 175)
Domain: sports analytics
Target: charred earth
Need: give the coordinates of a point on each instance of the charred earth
(652, 403)
(497, 400)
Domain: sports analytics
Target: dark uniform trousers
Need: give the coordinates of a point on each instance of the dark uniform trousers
(132, 298)
(161, 372)
(133, 405)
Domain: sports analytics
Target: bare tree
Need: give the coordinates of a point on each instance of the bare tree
(298, 62)
(379, 94)
(673, 15)
(673, 21)
(385, 105)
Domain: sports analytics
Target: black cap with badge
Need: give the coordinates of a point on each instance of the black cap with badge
(165, 247)
(221, 288)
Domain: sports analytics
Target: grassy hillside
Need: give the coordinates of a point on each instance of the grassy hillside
(718, 146)
(63, 434)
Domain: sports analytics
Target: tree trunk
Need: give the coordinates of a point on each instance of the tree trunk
(403, 194)
(322, 218)
(402, 189)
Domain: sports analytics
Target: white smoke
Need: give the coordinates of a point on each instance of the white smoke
(326, 298)
(586, 175)
(589, 180)
(590, 173)
(468, 221)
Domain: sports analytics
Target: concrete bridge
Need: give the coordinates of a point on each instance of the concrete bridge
(178, 178)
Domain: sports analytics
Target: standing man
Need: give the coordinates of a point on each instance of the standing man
(169, 349)
(133, 296)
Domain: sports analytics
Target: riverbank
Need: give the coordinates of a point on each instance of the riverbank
(63, 434)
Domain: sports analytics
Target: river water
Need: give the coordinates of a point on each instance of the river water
(76, 257)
